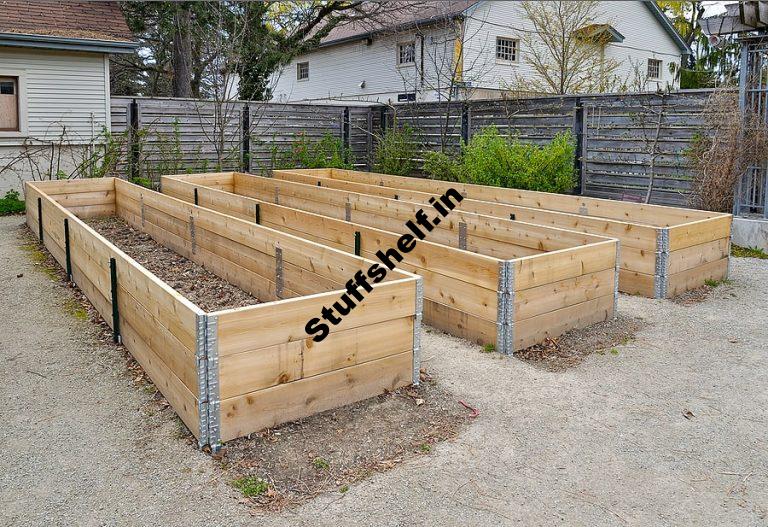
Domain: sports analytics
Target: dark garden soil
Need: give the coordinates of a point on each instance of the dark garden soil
(208, 291)
(693, 296)
(570, 349)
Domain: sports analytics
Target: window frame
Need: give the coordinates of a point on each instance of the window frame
(298, 70)
(516, 48)
(411, 43)
(21, 103)
(659, 63)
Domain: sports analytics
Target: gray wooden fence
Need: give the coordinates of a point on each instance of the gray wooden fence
(623, 142)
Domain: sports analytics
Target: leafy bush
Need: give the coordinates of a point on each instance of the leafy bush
(395, 152)
(329, 152)
(11, 204)
(492, 159)
(442, 166)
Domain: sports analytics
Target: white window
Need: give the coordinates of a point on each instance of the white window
(507, 49)
(9, 104)
(406, 53)
(302, 71)
(654, 69)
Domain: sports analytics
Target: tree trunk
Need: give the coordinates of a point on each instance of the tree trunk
(182, 51)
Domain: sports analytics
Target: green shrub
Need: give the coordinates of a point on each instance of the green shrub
(492, 159)
(395, 152)
(11, 204)
(143, 181)
(329, 152)
(442, 166)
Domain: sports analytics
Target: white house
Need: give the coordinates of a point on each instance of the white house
(474, 49)
(54, 84)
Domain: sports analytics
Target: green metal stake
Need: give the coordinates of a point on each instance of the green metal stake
(258, 213)
(115, 309)
(196, 200)
(357, 243)
(67, 249)
(40, 218)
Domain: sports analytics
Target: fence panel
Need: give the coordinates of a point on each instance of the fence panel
(625, 142)
(275, 128)
(631, 143)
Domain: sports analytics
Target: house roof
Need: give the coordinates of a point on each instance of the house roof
(398, 14)
(89, 26)
(422, 13)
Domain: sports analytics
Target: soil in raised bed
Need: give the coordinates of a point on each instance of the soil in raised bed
(327, 452)
(200, 286)
(571, 348)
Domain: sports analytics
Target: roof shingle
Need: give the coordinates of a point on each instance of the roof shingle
(88, 20)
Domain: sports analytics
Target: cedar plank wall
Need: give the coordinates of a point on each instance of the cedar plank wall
(683, 247)
(563, 279)
(293, 378)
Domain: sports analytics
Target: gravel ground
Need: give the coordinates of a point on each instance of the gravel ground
(671, 430)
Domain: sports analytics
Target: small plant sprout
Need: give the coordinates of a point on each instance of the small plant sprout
(489, 348)
(344, 488)
(614, 351)
(426, 448)
(251, 486)
(321, 464)
(748, 252)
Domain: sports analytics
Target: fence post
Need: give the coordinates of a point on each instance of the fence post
(383, 119)
(246, 138)
(133, 145)
(578, 132)
(345, 139)
(466, 116)
(369, 140)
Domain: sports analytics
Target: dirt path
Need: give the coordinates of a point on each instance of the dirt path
(670, 430)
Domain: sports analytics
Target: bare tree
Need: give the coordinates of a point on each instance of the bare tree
(566, 49)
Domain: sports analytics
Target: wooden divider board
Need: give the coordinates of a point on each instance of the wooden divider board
(637, 213)
(638, 226)
(458, 279)
(575, 275)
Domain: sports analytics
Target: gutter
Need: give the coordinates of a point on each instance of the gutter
(66, 43)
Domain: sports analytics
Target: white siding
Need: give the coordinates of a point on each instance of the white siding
(337, 71)
(64, 90)
(644, 38)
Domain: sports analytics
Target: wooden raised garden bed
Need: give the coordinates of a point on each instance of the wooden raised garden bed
(665, 251)
(490, 280)
(231, 372)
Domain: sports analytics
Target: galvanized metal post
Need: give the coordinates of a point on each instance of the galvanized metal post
(279, 280)
(115, 308)
(201, 362)
(505, 308)
(67, 249)
(212, 370)
(417, 331)
(661, 273)
(462, 235)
